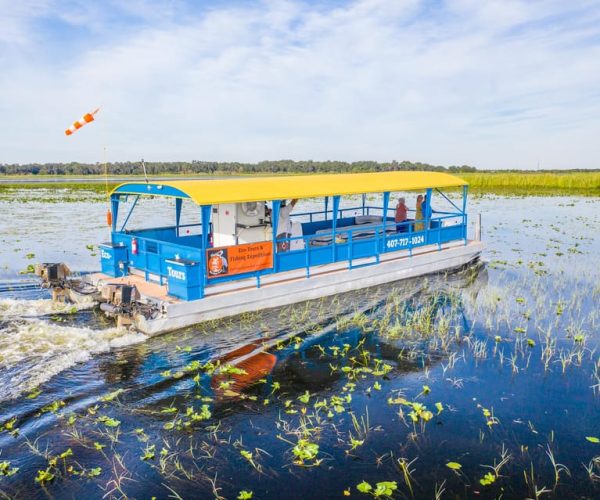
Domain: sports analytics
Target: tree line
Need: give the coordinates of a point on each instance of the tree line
(207, 167)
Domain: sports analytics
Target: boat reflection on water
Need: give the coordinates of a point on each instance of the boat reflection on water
(297, 353)
(303, 361)
(253, 364)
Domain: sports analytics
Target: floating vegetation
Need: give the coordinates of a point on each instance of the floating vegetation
(383, 489)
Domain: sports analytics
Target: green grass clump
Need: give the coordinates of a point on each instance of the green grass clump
(534, 181)
(524, 182)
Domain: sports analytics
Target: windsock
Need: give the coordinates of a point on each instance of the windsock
(87, 118)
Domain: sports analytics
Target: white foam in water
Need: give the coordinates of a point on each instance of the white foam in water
(33, 350)
(12, 308)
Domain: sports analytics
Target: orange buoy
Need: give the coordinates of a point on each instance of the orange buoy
(109, 218)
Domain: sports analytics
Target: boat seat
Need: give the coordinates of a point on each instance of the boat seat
(367, 219)
(361, 232)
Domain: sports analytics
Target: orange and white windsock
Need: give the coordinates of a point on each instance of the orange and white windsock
(87, 118)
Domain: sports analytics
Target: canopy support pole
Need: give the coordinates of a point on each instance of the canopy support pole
(178, 203)
(275, 206)
(205, 211)
(336, 208)
(464, 212)
(114, 207)
(130, 212)
(427, 213)
(449, 200)
(386, 205)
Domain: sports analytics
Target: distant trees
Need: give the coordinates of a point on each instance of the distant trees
(197, 167)
(224, 168)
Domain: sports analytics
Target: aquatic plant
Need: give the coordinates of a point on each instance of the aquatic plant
(407, 472)
(305, 451)
(382, 489)
(488, 479)
(7, 470)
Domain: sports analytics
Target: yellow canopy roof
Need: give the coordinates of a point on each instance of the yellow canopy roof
(237, 190)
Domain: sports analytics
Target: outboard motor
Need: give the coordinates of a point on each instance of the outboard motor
(54, 277)
(119, 301)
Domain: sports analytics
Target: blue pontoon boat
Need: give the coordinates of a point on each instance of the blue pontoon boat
(251, 247)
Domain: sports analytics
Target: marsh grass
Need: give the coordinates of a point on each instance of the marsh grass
(524, 183)
(535, 182)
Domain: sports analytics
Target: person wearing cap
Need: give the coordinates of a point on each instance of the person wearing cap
(401, 215)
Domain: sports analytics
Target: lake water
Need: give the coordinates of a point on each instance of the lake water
(483, 383)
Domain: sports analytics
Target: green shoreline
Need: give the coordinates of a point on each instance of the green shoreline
(518, 183)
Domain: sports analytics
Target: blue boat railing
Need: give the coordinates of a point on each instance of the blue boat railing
(343, 212)
(347, 244)
(354, 211)
(152, 253)
(344, 244)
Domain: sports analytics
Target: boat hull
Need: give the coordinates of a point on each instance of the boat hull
(299, 289)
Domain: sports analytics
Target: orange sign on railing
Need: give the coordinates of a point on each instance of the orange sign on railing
(239, 259)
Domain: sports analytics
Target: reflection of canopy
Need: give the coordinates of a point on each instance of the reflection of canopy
(256, 366)
(238, 190)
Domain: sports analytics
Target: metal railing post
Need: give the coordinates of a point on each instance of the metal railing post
(205, 214)
(464, 212)
(478, 228)
(336, 207)
(349, 249)
(307, 254)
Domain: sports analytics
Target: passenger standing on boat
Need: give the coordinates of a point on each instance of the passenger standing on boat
(267, 212)
(419, 225)
(284, 224)
(401, 215)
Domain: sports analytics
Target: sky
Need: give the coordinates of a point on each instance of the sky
(491, 84)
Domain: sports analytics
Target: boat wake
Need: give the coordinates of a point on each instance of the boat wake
(14, 308)
(33, 349)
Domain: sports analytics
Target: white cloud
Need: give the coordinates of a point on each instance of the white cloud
(493, 84)
(15, 20)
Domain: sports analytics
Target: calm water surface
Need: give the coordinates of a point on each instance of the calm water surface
(428, 384)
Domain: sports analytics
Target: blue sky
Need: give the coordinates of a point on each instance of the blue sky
(494, 84)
